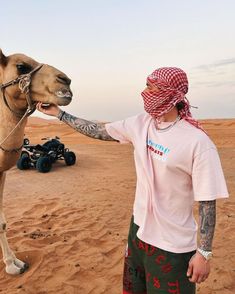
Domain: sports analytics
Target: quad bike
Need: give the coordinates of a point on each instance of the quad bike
(43, 156)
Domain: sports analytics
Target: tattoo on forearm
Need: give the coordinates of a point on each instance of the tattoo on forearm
(88, 128)
(207, 220)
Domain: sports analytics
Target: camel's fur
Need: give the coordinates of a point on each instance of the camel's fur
(44, 86)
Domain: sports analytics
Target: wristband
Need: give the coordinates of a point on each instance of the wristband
(60, 115)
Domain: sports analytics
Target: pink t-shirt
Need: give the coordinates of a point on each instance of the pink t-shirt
(174, 168)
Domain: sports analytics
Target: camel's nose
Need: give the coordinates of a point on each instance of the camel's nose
(63, 79)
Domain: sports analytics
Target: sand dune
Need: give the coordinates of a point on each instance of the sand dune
(71, 224)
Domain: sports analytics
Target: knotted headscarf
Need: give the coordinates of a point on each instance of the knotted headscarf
(173, 85)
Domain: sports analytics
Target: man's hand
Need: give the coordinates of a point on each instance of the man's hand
(198, 269)
(52, 109)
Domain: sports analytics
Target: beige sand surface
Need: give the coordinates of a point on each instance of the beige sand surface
(71, 224)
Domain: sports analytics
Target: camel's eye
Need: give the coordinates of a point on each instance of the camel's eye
(23, 68)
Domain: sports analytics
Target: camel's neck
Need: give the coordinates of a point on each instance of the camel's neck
(8, 121)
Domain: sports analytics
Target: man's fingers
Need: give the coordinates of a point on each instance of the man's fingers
(194, 278)
(198, 278)
(38, 106)
(190, 270)
(204, 278)
(198, 270)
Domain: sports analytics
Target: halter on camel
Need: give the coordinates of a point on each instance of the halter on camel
(24, 82)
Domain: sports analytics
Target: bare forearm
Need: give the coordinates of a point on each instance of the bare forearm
(207, 221)
(85, 127)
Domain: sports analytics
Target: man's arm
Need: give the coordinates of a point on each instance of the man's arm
(85, 127)
(199, 268)
(207, 221)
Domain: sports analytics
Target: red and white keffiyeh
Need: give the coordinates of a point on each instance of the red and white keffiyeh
(173, 85)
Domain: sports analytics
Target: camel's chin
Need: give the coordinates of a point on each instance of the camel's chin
(63, 101)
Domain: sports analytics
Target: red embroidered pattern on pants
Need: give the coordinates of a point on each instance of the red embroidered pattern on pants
(175, 289)
(160, 258)
(166, 268)
(149, 249)
(156, 283)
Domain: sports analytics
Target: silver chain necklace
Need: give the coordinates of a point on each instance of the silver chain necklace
(168, 127)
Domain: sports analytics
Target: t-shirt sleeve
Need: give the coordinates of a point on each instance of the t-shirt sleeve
(207, 176)
(122, 130)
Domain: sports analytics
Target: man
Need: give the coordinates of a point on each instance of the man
(176, 164)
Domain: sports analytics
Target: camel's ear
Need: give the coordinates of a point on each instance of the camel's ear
(3, 58)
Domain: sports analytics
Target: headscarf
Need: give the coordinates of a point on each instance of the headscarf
(173, 85)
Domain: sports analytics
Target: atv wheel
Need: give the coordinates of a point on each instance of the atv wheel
(53, 156)
(24, 153)
(23, 162)
(70, 158)
(43, 164)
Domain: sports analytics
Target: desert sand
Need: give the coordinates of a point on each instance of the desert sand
(71, 224)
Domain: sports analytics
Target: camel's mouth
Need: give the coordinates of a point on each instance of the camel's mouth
(64, 94)
(64, 97)
(61, 97)
(45, 105)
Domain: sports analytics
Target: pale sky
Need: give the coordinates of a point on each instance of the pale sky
(108, 47)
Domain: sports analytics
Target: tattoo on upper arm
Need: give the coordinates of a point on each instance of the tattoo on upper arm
(207, 220)
(88, 128)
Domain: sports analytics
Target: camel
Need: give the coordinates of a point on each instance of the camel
(23, 83)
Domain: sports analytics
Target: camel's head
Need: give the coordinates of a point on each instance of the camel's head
(47, 84)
